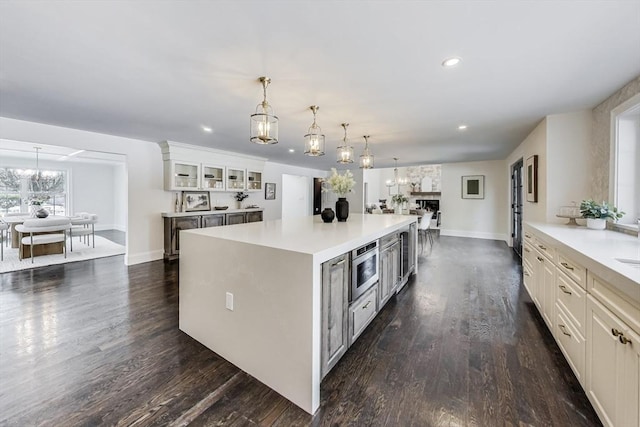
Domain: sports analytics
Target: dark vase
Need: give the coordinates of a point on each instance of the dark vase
(342, 209)
(327, 215)
(42, 213)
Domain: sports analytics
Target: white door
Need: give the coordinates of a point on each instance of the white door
(296, 196)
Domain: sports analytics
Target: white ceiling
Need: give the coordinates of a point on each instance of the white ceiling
(157, 70)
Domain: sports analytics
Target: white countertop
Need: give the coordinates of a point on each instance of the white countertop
(196, 213)
(598, 250)
(309, 235)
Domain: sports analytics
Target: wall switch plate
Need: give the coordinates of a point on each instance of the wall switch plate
(229, 302)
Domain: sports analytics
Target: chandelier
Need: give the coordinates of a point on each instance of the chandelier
(396, 178)
(345, 151)
(264, 124)
(314, 140)
(366, 159)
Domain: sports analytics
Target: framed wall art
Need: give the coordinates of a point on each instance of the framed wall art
(473, 187)
(196, 201)
(270, 191)
(531, 168)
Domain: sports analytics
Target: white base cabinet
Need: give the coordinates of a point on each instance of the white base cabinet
(361, 313)
(595, 325)
(613, 367)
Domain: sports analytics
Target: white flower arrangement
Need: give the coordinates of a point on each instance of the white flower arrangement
(340, 184)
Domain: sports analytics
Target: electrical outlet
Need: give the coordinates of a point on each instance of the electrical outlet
(229, 303)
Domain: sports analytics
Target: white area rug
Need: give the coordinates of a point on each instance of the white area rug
(104, 247)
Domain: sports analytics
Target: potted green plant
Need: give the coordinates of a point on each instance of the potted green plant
(399, 200)
(597, 214)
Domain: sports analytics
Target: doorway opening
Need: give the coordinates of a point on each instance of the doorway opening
(516, 206)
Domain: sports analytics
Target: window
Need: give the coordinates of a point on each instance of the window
(625, 182)
(20, 189)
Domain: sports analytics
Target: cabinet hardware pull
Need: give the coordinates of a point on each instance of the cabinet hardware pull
(366, 305)
(527, 250)
(567, 266)
(526, 273)
(540, 258)
(624, 340)
(615, 332)
(542, 247)
(528, 236)
(338, 263)
(564, 289)
(564, 331)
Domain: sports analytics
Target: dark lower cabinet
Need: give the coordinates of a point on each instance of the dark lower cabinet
(173, 225)
(213, 220)
(236, 218)
(254, 216)
(172, 228)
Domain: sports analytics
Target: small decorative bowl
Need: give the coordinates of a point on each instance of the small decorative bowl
(221, 208)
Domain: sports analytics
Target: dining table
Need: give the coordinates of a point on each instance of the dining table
(13, 221)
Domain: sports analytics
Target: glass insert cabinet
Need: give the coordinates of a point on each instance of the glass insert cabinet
(185, 176)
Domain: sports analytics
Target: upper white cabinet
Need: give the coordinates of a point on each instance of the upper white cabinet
(236, 179)
(213, 177)
(190, 168)
(254, 180)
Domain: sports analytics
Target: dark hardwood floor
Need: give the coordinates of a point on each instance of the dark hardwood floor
(97, 343)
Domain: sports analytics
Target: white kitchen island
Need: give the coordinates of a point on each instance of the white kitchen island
(273, 270)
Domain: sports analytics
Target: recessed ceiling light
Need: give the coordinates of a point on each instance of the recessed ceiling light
(291, 150)
(207, 129)
(451, 61)
(462, 127)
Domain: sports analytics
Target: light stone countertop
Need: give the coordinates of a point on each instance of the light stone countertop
(597, 250)
(309, 235)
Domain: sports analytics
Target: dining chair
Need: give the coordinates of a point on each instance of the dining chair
(83, 225)
(54, 229)
(424, 229)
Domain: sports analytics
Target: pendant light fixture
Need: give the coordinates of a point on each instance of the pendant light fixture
(396, 179)
(366, 159)
(314, 140)
(264, 124)
(35, 178)
(345, 151)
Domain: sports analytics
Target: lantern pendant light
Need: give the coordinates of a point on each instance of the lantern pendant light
(264, 124)
(314, 140)
(345, 151)
(366, 159)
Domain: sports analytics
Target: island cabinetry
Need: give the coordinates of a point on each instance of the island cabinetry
(361, 313)
(213, 220)
(172, 228)
(335, 300)
(389, 268)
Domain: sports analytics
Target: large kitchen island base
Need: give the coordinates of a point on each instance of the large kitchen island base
(253, 293)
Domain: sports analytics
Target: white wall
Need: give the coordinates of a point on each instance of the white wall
(120, 196)
(296, 196)
(568, 140)
(480, 218)
(146, 198)
(273, 173)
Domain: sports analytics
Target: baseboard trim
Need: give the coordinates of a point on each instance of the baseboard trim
(474, 234)
(139, 258)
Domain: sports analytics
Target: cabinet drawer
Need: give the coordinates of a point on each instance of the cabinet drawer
(361, 312)
(529, 237)
(573, 299)
(388, 239)
(571, 342)
(545, 249)
(572, 269)
(528, 256)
